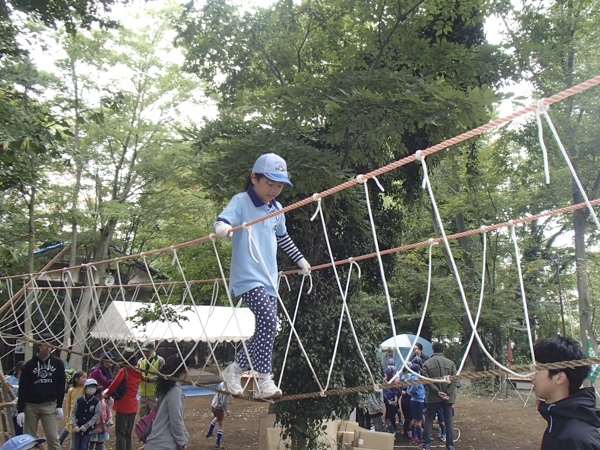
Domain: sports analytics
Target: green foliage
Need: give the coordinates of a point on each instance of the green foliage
(159, 311)
(338, 89)
(28, 129)
(556, 47)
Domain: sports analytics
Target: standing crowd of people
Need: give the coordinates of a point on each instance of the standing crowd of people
(88, 403)
(415, 407)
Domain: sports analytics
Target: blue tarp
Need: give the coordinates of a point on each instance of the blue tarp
(194, 391)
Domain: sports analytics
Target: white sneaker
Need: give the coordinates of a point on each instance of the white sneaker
(267, 389)
(232, 377)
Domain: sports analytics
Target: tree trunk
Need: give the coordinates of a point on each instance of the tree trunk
(30, 261)
(72, 262)
(73, 256)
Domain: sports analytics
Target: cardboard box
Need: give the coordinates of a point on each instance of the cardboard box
(349, 426)
(328, 438)
(373, 440)
(264, 423)
(350, 447)
(345, 437)
(275, 441)
(248, 383)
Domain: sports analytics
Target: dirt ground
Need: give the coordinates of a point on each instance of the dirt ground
(483, 425)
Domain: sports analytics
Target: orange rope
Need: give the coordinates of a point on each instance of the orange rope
(368, 255)
(340, 187)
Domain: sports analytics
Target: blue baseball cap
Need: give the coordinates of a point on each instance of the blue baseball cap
(107, 355)
(22, 442)
(273, 167)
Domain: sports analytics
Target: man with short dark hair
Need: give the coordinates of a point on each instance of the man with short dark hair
(439, 395)
(41, 393)
(571, 413)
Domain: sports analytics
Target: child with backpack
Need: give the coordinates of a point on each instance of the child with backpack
(126, 406)
(84, 415)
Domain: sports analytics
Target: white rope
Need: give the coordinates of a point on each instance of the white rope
(522, 284)
(542, 107)
(362, 180)
(341, 290)
(287, 347)
(191, 296)
(162, 308)
(427, 184)
(572, 169)
(422, 320)
(481, 295)
(341, 319)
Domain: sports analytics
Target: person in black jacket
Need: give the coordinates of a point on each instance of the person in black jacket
(41, 393)
(571, 413)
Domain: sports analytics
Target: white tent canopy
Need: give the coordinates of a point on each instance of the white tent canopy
(204, 323)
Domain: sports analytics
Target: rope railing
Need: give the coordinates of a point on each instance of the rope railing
(482, 229)
(340, 187)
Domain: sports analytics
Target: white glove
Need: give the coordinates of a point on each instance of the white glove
(304, 267)
(222, 229)
(59, 413)
(109, 423)
(75, 429)
(20, 419)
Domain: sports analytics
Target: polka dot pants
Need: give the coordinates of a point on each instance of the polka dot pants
(260, 345)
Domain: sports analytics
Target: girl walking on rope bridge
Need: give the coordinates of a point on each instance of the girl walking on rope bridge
(248, 260)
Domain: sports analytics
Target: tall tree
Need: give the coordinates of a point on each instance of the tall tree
(556, 47)
(337, 88)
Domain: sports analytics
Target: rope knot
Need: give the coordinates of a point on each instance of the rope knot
(483, 228)
(322, 393)
(419, 155)
(360, 178)
(542, 107)
(315, 197)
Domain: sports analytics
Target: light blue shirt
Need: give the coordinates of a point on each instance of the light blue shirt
(245, 273)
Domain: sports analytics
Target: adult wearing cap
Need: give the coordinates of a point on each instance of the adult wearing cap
(102, 372)
(254, 268)
(84, 415)
(41, 393)
(127, 406)
(22, 442)
(149, 365)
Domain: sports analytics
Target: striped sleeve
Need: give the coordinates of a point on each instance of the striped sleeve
(288, 246)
